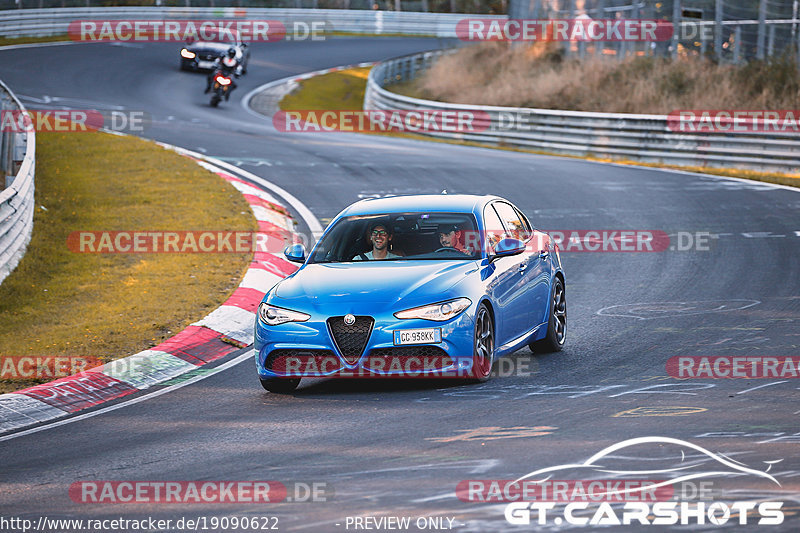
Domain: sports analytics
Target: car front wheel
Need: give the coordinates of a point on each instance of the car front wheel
(483, 347)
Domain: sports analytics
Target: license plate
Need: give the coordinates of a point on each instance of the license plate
(418, 336)
(205, 64)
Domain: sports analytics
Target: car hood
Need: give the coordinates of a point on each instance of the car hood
(371, 282)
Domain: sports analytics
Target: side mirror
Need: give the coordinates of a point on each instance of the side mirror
(296, 253)
(507, 247)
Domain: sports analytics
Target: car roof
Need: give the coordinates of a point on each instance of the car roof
(435, 203)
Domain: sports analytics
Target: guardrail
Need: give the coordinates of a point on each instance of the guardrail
(17, 163)
(46, 22)
(645, 138)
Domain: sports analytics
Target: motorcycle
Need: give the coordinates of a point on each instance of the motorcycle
(222, 84)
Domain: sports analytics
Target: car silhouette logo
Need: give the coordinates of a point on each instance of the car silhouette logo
(349, 319)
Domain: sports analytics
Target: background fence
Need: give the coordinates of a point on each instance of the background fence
(729, 30)
(436, 6)
(16, 197)
(609, 135)
(45, 22)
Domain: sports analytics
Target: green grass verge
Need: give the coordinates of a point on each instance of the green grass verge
(344, 90)
(61, 303)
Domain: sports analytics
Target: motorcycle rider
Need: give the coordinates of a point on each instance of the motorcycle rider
(228, 66)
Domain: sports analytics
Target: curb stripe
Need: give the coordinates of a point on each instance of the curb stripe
(18, 410)
(197, 345)
(74, 393)
(245, 298)
(146, 368)
(237, 323)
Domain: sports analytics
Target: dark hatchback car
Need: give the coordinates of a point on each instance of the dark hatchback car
(202, 55)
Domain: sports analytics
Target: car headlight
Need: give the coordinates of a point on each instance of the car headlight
(187, 54)
(439, 312)
(272, 316)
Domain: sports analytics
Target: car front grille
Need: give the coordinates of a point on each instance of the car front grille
(427, 358)
(298, 361)
(350, 339)
(208, 57)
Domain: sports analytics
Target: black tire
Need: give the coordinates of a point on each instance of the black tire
(280, 385)
(483, 345)
(215, 100)
(557, 323)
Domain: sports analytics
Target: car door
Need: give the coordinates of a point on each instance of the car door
(535, 267)
(508, 285)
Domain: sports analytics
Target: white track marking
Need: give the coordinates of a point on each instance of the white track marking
(761, 387)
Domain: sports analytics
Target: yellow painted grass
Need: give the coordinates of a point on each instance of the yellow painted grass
(60, 303)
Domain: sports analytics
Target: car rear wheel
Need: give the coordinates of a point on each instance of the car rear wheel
(483, 346)
(280, 385)
(557, 324)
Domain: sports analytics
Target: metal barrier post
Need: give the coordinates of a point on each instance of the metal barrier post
(3, 140)
(762, 17)
(718, 30)
(676, 25)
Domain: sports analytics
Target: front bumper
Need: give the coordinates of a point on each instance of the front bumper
(308, 349)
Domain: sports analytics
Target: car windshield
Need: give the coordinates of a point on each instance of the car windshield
(400, 237)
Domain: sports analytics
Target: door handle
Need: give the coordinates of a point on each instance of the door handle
(543, 255)
(523, 266)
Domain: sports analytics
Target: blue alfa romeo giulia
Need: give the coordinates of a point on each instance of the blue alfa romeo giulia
(428, 285)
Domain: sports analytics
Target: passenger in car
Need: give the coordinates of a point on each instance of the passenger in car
(381, 237)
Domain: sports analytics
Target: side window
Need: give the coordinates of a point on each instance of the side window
(513, 222)
(493, 227)
(525, 223)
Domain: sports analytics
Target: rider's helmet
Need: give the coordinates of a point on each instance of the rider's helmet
(231, 52)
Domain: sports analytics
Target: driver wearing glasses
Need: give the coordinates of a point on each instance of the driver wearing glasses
(380, 236)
